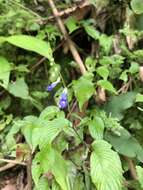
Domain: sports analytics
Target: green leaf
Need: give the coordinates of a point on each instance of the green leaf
(106, 85)
(90, 64)
(32, 44)
(118, 104)
(28, 125)
(42, 184)
(103, 72)
(105, 164)
(134, 68)
(139, 97)
(48, 131)
(4, 72)
(124, 76)
(53, 162)
(125, 144)
(83, 89)
(96, 128)
(106, 43)
(19, 89)
(49, 113)
(137, 6)
(91, 31)
(139, 170)
(71, 24)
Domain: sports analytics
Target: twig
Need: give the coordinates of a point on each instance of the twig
(12, 161)
(29, 175)
(70, 10)
(7, 166)
(70, 43)
(131, 168)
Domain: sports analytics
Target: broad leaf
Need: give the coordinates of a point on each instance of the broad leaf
(96, 128)
(83, 89)
(54, 163)
(32, 44)
(137, 6)
(139, 170)
(19, 89)
(118, 104)
(48, 131)
(42, 184)
(4, 72)
(105, 164)
(125, 144)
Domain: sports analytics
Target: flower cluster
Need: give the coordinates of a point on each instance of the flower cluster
(63, 100)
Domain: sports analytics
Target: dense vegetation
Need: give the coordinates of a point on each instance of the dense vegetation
(71, 94)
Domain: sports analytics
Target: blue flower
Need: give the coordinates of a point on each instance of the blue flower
(52, 86)
(63, 102)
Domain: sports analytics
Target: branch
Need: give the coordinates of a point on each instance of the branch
(70, 43)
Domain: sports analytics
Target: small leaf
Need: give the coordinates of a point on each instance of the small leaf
(103, 72)
(91, 31)
(105, 164)
(106, 85)
(139, 97)
(19, 89)
(139, 170)
(83, 89)
(4, 72)
(137, 6)
(124, 76)
(96, 128)
(134, 68)
(71, 24)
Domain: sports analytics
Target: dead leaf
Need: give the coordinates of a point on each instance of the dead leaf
(141, 73)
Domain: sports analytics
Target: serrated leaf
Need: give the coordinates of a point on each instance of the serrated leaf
(96, 128)
(125, 144)
(54, 163)
(32, 44)
(137, 6)
(49, 113)
(105, 164)
(19, 88)
(42, 184)
(103, 72)
(106, 85)
(4, 72)
(83, 89)
(139, 97)
(48, 131)
(139, 170)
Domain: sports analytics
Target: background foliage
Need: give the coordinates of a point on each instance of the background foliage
(80, 132)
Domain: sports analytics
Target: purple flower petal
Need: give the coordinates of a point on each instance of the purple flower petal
(52, 86)
(63, 104)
